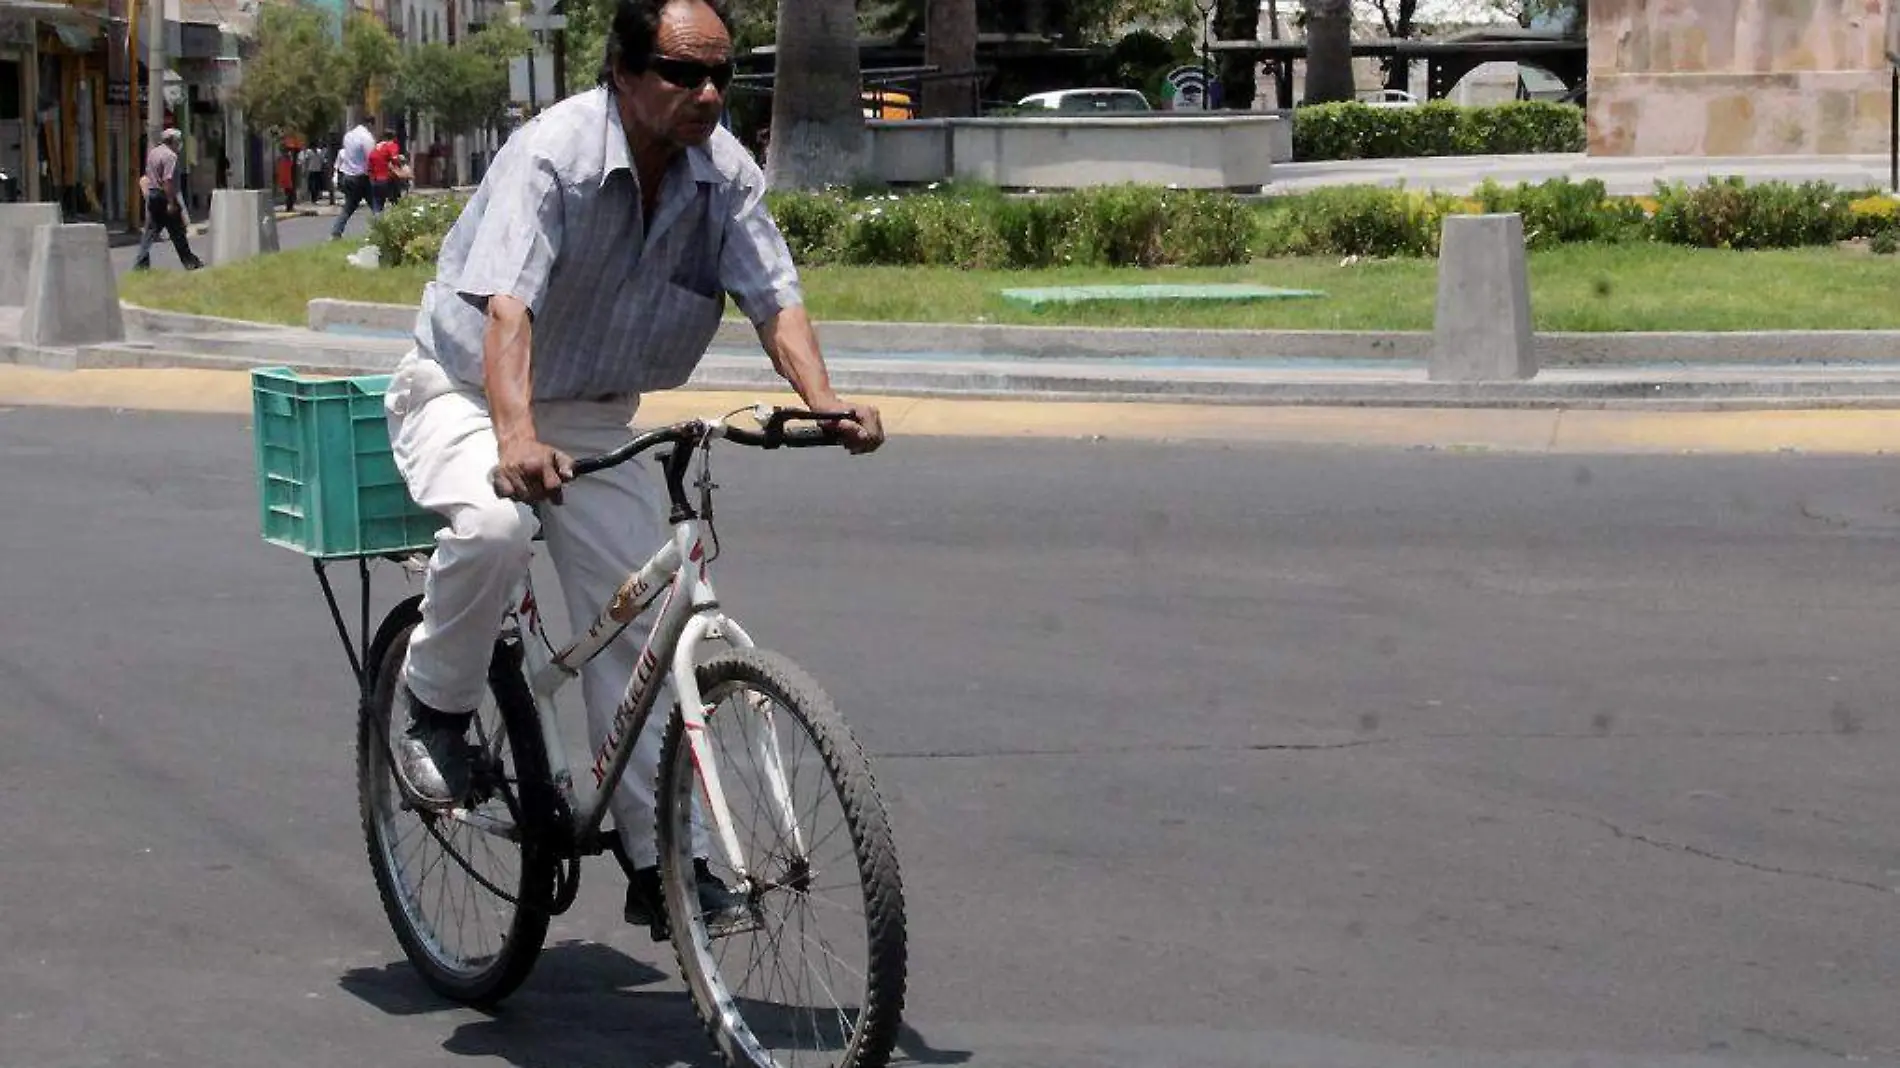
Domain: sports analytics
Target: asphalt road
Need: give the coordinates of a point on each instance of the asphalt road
(1197, 755)
(291, 233)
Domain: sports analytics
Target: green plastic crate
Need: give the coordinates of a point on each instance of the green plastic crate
(327, 485)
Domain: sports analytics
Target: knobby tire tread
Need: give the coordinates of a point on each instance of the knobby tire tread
(865, 814)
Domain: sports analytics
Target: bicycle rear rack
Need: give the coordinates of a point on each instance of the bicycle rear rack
(357, 651)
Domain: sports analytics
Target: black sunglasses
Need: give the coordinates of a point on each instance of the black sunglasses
(690, 73)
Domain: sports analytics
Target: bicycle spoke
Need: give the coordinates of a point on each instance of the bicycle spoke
(808, 981)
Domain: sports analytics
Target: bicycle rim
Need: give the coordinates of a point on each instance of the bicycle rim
(812, 972)
(469, 905)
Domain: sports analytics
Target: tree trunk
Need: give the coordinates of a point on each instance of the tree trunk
(1401, 22)
(817, 115)
(1328, 51)
(1035, 16)
(1237, 20)
(950, 45)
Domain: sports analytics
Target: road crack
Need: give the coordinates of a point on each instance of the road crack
(1721, 858)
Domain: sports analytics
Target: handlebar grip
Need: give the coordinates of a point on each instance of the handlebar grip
(775, 435)
(812, 437)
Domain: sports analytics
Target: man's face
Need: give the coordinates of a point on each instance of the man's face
(679, 98)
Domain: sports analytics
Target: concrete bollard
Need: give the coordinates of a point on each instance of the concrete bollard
(72, 295)
(17, 223)
(243, 225)
(1483, 331)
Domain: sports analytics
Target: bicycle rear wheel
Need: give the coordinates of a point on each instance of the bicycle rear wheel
(812, 969)
(469, 903)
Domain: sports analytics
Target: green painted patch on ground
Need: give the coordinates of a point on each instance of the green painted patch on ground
(1215, 294)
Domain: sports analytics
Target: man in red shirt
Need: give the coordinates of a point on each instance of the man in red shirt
(382, 172)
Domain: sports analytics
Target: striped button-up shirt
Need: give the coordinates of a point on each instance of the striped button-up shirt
(620, 305)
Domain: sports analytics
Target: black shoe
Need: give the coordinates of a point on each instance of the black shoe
(719, 904)
(434, 755)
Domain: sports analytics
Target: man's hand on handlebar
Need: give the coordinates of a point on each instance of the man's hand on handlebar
(531, 471)
(863, 432)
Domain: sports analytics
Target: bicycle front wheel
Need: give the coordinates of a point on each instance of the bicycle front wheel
(468, 893)
(810, 968)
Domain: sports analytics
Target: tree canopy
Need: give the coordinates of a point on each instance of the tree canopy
(293, 83)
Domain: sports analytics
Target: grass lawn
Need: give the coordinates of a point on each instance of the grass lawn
(1579, 287)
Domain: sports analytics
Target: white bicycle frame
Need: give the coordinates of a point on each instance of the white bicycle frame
(689, 615)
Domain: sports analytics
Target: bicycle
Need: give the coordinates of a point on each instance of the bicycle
(753, 750)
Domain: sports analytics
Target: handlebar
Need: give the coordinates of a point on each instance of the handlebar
(773, 434)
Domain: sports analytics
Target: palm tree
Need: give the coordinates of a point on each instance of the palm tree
(817, 114)
(950, 45)
(1328, 51)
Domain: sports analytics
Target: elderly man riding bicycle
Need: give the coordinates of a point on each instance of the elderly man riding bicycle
(590, 267)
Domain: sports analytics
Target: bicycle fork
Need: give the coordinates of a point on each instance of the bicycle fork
(764, 750)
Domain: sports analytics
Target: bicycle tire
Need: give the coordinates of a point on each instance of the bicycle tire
(489, 971)
(743, 1026)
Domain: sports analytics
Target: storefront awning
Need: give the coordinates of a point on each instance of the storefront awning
(46, 11)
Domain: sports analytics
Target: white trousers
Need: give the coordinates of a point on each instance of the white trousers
(607, 526)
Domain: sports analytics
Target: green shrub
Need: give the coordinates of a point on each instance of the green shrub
(1886, 242)
(413, 229)
(813, 224)
(979, 228)
(1561, 212)
(1729, 213)
(1870, 212)
(1122, 226)
(883, 232)
(1367, 221)
(1208, 230)
(1034, 232)
(1358, 131)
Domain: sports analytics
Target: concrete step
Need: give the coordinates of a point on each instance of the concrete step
(266, 347)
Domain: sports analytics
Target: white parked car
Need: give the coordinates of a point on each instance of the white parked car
(1389, 98)
(1087, 101)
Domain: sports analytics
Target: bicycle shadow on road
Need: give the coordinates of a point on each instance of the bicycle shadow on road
(582, 1006)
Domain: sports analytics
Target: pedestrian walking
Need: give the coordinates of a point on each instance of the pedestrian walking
(163, 212)
(352, 173)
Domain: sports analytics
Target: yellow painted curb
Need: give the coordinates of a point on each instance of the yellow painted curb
(1838, 431)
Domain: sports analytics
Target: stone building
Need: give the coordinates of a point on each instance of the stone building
(1738, 77)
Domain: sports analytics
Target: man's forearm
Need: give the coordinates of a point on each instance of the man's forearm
(507, 372)
(792, 345)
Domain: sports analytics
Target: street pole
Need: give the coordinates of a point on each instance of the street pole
(1207, 69)
(1893, 133)
(155, 70)
(534, 54)
(134, 203)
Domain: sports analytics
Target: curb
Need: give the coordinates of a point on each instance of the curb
(737, 374)
(158, 339)
(1568, 349)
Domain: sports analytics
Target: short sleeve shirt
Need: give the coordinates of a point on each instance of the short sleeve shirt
(620, 304)
(161, 165)
(354, 159)
(380, 159)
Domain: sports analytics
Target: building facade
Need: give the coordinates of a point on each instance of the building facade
(1738, 77)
